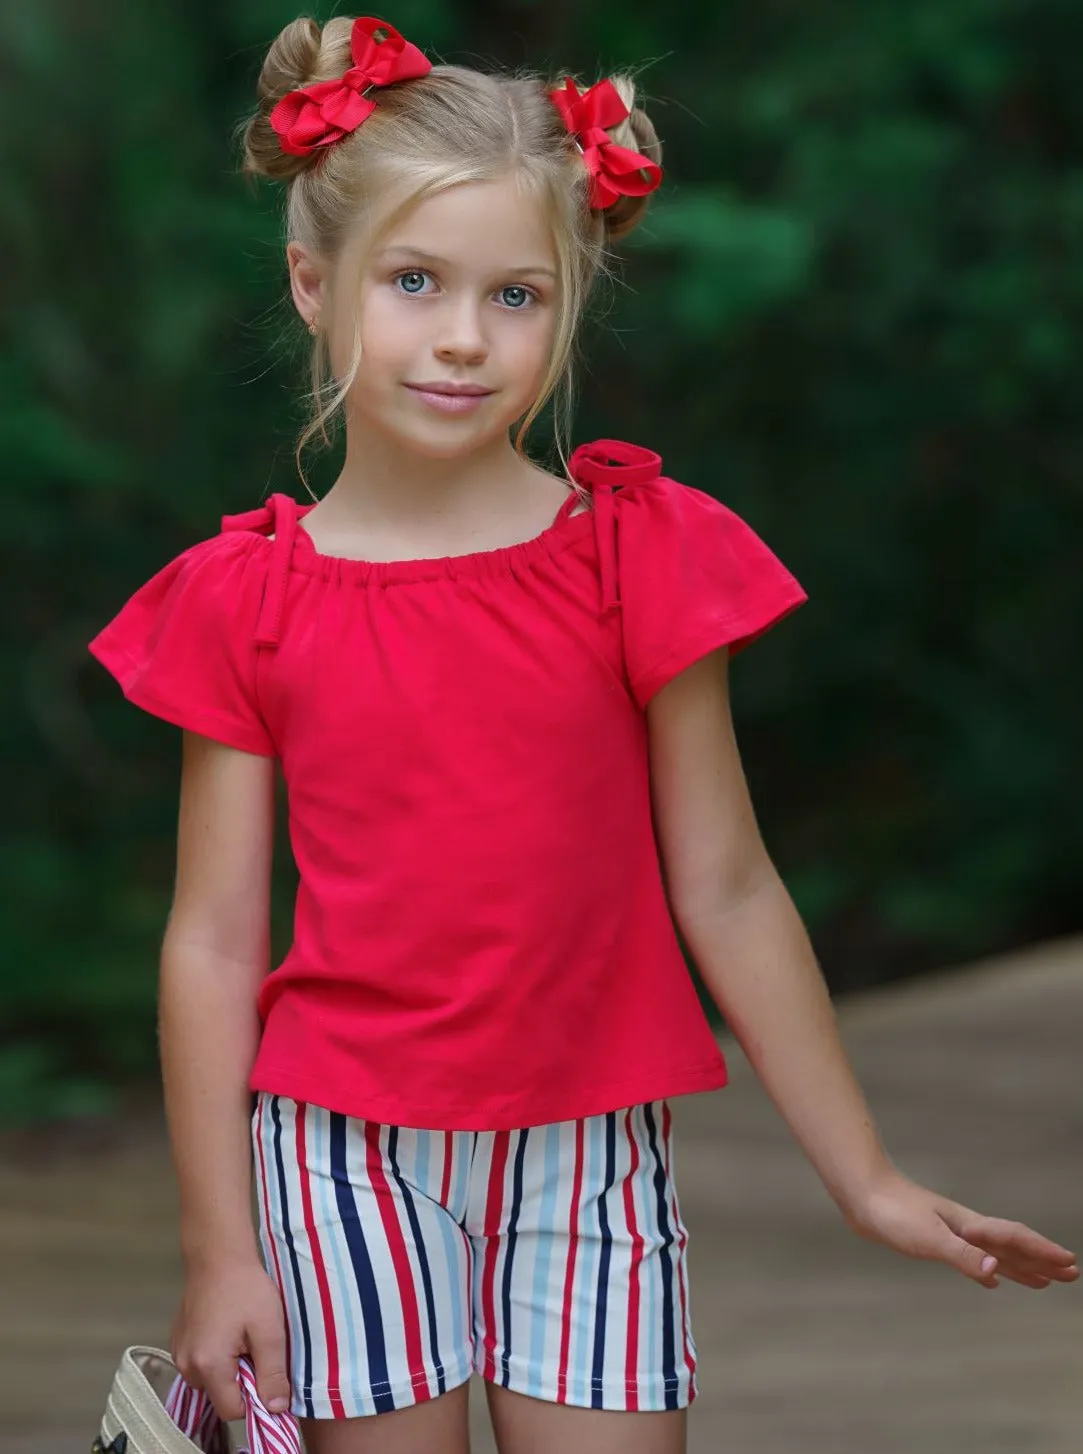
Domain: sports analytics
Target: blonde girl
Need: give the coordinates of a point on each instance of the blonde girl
(498, 697)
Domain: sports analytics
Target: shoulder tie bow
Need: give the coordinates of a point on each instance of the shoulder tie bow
(615, 171)
(604, 466)
(320, 114)
(278, 516)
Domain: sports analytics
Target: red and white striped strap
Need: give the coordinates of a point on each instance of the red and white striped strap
(267, 1433)
(195, 1416)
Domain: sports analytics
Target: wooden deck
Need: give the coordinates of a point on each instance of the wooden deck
(810, 1340)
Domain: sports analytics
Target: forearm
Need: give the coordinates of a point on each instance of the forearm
(209, 1033)
(756, 960)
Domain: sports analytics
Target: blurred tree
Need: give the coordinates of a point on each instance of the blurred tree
(854, 314)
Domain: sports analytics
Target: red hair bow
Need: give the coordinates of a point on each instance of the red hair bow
(323, 113)
(615, 171)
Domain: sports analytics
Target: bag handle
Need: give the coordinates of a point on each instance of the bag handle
(196, 1417)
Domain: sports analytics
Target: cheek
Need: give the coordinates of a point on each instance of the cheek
(533, 346)
(529, 338)
(386, 334)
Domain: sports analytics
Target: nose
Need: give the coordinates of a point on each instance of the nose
(461, 336)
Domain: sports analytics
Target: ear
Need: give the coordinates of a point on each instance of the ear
(307, 274)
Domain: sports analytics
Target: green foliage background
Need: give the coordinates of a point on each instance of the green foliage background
(855, 315)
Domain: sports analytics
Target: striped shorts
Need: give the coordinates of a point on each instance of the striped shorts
(550, 1260)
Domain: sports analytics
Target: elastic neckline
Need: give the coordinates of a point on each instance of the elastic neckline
(564, 528)
(599, 466)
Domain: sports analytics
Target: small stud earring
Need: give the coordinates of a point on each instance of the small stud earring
(313, 326)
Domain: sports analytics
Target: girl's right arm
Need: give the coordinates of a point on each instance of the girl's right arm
(215, 953)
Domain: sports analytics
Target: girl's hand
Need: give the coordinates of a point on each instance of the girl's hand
(917, 1222)
(230, 1309)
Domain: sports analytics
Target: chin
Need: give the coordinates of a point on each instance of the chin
(429, 449)
(453, 440)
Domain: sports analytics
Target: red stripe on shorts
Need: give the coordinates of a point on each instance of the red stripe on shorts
(631, 1363)
(400, 1258)
(265, 1195)
(682, 1241)
(569, 1272)
(494, 1207)
(319, 1267)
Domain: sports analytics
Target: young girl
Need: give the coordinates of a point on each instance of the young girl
(499, 698)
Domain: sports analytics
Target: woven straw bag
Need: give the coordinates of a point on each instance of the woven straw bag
(151, 1410)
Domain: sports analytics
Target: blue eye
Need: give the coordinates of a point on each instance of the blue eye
(524, 295)
(515, 296)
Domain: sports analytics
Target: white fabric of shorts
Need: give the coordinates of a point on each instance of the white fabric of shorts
(550, 1260)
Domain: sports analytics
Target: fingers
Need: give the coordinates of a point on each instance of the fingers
(973, 1262)
(1029, 1274)
(1065, 1274)
(1026, 1279)
(1020, 1251)
(216, 1376)
(221, 1384)
(984, 1249)
(982, 1267)
(267, 1344)
(1002, 1233)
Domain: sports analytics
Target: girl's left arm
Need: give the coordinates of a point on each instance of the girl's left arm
(756, 960)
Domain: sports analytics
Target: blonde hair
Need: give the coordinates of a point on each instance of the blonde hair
(451, 126)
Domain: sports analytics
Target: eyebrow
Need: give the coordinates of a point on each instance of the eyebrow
(430, 257)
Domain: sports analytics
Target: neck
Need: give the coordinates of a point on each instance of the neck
(385, 481)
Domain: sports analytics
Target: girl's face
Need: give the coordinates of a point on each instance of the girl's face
(464, 291)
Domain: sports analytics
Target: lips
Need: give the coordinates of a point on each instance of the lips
(443, 398)
(468, 390)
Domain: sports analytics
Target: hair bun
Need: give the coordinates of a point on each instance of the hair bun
(637, 134)
(300, 55)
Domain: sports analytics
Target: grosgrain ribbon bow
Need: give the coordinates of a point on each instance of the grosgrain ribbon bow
(323, 113)
(615, 171)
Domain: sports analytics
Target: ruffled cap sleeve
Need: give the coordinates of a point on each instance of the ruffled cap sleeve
(687, 574)
(185, 645)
